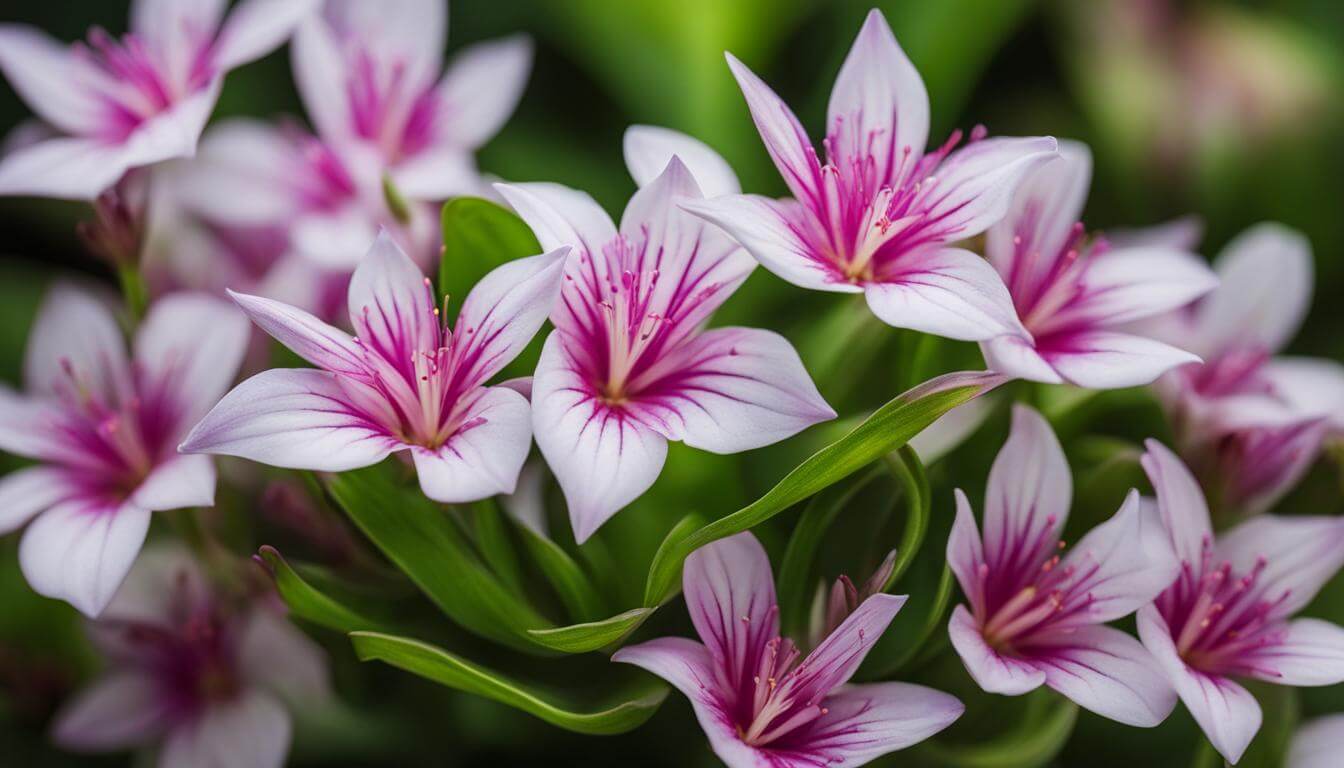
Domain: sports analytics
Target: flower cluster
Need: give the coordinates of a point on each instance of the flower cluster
(323, 237)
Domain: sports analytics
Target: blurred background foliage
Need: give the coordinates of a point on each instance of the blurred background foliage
(1227, 110)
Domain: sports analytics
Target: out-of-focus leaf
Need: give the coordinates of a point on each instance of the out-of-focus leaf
(492, 539)
(1034, 741)
(566, 577)
(618, 710)
(579, 638)
(307, 602)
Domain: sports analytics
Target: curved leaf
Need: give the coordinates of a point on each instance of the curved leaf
(619, 711)
(579, 638)
(1033, 742)
(307, 602)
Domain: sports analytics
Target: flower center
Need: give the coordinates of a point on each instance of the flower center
(139, 81)
(388, 108)
(1222, 616)
(1052, 593)
(778, 705)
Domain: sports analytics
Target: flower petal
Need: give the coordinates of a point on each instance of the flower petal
(178, 482)
(120, 711)
(1312, 386)
(1109, 360)
(1311, 654)
(1125, 285)
(165, 576)
(299, 419)
(1108, 672)
(730, 595)
(784, 137)
(602, 456)
(273, 654)
(947, 292)
(1301, 553)
(649, 148)
(319, 67)
(1026, 501)
(1228, 713)
(1183, 234)
(81, 551)
(49, 78)
(194, 344)
(1040, 220)
(26, 492)
(412, 32)
(838, 656)
(392, 305)
(1265, 290)
(992, 671)
(165, 22)
(1317, 743)
(503, 312)
(29, 427)
(483, 458)
(174, 132)
(879, 108)
(76, 334)
(1180, 501)
(438, 173)
(63, 168)
(863, 722)
(965, 552)
(482, 87)
(974, 186)
(254, 28)
(320, 344)
(244, 173)
(730, 390)
(1016, 355)
(560, 216)
(250, 731)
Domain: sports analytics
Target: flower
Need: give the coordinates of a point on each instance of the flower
(366, 74)
(122, 104)
(878, 216)
(202, 676)
(407, 382)
(1249, 422)
(1073, 296)
(1038, 616)
(629, 367)
(756, 701)
(1317, 743)
(104, 429)
(1227, 614)
(844, 598)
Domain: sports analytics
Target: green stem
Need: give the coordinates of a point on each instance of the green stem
(134, 290)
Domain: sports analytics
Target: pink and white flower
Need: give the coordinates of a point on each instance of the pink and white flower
(140, 100)
(104, 428)
(758, 700)
(1248, 421)
(1075, 297)
(1227, 615)
(406, 382)
(206, 679)
(369, 77)
(1038, 616)
(878, 216)
(1317, 743)
(629, 366)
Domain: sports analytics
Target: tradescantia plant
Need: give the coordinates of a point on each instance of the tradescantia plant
(949, 489)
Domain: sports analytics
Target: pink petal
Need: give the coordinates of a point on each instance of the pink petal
(991, 670)
(194, 343)
(1109, 360)
(1183, 234)
(965, 553)
(560, 216)
(946, 292)
(484, 457)
(178, 482)
(1312, 654)
(1180, 501)
(784, 137)
(1265, 290)
(412, 32)
(1228, 713)
(75, 329)
(1317, 743)
(603, 457)
(482, 87)
(1027, 499)
(1311, 386)
(300, 419)
(730, 390)
(165, 22)
(250, 730)
(63, 168)
(687, 665)
(120, 711)
(1041, 218)
(50, 79)
(29, 428)
(244, 173)
(320, 344)
(165, 576)
(1125, 285)
(174, 132)
(392, 306)
(863, 722)
(1120, 565)
(319, 73)
(649, 148)
(1016, 355)
(1108, 672)
(254, 28)
(973, 187)
(80, 551)
(839, 655)
(730, 595)
(762, 226)
(438, 173)
(879, 109)
(26, 492)
(1301, 554)
(273, 654)
(503, 312)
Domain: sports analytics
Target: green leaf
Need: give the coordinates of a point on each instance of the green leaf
(580, 638)
(310, 604)
(907, 467)
(1034, 741)
(478, 236)
(889, 428)
(566, 577)
(619, 710)
(492, 539)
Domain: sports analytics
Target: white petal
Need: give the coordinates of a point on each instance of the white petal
(560, 216)
(80, 552)
(649, 148)
(181, 481)
(1265, 290)
(273, 654)
(948, 292)
(194, 343)
(975, 184)
(1311, 654)
(250, 731)
(1312, 386)
(1108, 672)
(63, 168)
(1109, 360)
(437, 174)
(482, 87)
(1180, 501)
(483, 459)
(863, 722)
(1022, 246)
(122, 710)
(1122, 286)
(254, 28)
(1015, 355)
(319, 73)
(322, 345)
(27, 492)
(75, 327)
(49, 78)
(392, 305)
(1317, 743)
(991, 670)
(1027, 499)
(783, 136)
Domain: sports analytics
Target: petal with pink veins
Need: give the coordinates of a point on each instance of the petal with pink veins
(649, 148)
(965, 552)
(838, 656)
(1015, 355)
(879, 108)
(1180, 502)
(174, 132)
(974, 186)
(80, 551)
(1265, 290)
(1108, 672)
(481, 88)
(164, 22)
(27, 492)
(730, 595)
(863, 722)
(392, 306)
(178, 482)
(784, 137)
(560, 216)
(992, 671)
(75, 333)
(1227, 712)
(1311, 654)
(947, 292)
(63, 168)
(1122, 286)
(254, 28)
(1027, 499)
(50, 78)
(1110, 360)
(194, 343)
(252, 729)
(485, 455)
(1300, 553)
(120, 711)
(29, 427)
(322, 345)
(1041, 219)
(293, 418)
(413, 32)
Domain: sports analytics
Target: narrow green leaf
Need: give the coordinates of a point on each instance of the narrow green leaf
(913, 645)
(308, 603)
(889, 428)
(907, 467)
(619, 711)
(592, 636)
(492, 539)
(566, 577)
(1033, 742)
